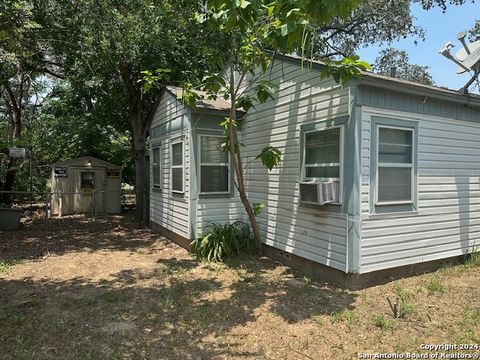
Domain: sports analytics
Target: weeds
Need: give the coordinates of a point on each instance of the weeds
(470, 316)
(382, 322)
(434, 285)
(175, 269)
(6, 265)
(112, 296)
(350, 317)
(473, 260)
(470, 319)
(403, 307)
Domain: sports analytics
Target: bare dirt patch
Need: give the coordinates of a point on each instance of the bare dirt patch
(78, 289)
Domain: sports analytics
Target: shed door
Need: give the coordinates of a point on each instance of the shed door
(85, 182)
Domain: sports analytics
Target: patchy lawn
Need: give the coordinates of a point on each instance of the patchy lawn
(110, 290)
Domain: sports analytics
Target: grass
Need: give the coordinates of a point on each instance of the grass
(175, 270)
(349, 317)
(112, 296)
(405, 307)
(6, 265)
(382, 322)
(434, 285)
(470, 316)
(244, 309)
(473, 260)
(469, 324)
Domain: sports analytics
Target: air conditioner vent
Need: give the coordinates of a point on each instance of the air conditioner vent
(319, 193)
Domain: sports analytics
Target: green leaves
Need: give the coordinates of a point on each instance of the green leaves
(344, 70)
(154, 79)
(265, 90)
(189, 96)
(214, 83)
(224, 241)
(270, 157)
(257, 208)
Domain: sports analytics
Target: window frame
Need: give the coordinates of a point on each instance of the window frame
(403, 122)
(83, 183)
(227, 165)
(410, 166)
(175, 142)
(156, 146)
(340, 164)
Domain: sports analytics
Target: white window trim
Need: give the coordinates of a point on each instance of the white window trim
(396, 165)
(339, 164)
(175, 142)
(227, 164)
(157, 186)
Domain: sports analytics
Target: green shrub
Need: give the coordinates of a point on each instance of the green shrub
(224, 241)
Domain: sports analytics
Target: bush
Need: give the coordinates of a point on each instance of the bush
(224, 241)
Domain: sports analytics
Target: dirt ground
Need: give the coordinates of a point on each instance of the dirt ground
(78, 289)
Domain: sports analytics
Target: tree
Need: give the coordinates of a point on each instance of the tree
(22, 61)
(474, 33)
(397, 61)
(112, 42)
(70, 126)
(372, 22)
(442, 4)
(250, 27)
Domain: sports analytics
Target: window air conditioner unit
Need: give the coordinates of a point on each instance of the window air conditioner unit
(319, 193)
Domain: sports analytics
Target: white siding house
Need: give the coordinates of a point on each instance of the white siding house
(404, 158)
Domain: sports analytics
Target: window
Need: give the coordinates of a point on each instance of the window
(322, 156)
(156, 167)
(214, 166)
(395, 165)
(87, 180)
(176, 174)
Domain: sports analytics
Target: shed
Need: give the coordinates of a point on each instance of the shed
(84, 185)
(403, 159)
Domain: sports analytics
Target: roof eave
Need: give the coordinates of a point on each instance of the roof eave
(420, 90)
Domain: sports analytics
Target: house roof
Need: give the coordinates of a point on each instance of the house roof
(386, 82)
(205, 104)
(85, 159)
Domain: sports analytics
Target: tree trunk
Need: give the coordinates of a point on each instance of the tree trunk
(134, 101)
(10, 176)
(140, 120)
(139, 157)
(236, 156)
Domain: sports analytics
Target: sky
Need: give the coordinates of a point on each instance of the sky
(439, 28)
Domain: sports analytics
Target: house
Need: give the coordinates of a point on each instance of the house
(85, 185)
(402, 162)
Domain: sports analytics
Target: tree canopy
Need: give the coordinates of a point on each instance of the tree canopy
(396, 63)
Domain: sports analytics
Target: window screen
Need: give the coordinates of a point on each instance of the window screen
(156, 168)
(214, 174)
(177, 167)
(322, 154)
(395, 165)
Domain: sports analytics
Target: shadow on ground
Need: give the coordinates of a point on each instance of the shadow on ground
(177, 309)
(57, 236)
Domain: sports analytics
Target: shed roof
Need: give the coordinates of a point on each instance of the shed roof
(386, 82)
(85, 159)
(210, 105)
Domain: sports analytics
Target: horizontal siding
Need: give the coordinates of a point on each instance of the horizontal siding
(447, 222)
(167, 209)
(301, 98)
(220, 210)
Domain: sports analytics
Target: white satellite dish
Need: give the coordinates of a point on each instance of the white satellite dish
(467, 59)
